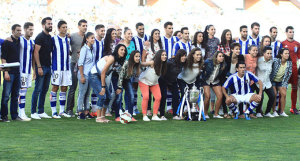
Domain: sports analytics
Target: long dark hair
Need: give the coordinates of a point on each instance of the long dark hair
(87, 35)
(177, 59)
(223, 38)
(116, 54)
(132, 64)
(160, 67)
(195, 39)
(190, 59)
(152, 43)
(280, 52)
(107, 42)
(205, 36)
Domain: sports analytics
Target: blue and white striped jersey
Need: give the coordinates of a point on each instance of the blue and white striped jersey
(276, 46)
(168, 44)
(98, 49)
(139, 42)
(255, 41)
(60, 53)
(241, 86)
(245, 45)
(180, 45)
(26, 52)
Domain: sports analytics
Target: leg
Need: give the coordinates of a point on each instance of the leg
(219, 95)
(271, 95)
(39, 81)
(72, 90)
(206, 98)
(62, 98)
(163, 90)
(145, 92)
(155, 90)
(282, 92)
(44, 90)
(7, 87)
(53, 99)
(14, 95)
(175, 97)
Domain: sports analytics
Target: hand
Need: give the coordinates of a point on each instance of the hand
(33, 75)
(258, 97)
(6, 76)
(82, 79)
(147, 43)
(40, 71)
(102, 91)
(118, 91)
(9, 39)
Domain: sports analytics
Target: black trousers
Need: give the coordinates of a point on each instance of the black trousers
(175, 96)
(256, 89)
(271, 95)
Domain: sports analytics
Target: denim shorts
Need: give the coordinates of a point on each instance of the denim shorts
(277, 84)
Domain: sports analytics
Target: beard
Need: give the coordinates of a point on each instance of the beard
(49, 29)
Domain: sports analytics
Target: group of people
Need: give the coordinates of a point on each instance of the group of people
(234, 72)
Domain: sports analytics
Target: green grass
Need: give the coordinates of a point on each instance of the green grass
(224, 139)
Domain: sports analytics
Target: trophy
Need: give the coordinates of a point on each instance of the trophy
(194, 96)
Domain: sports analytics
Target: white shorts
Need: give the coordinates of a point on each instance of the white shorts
(243, 98)
(61, 78)
(26, 80)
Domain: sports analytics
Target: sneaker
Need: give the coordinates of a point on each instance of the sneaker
(294, 111)
(259, 115)
(221, 112)
(163, 118)
(134, 114)
(275, 114)
(108, 114)
(145, 118)
(236, 116)
(136, 111)
(55, 116)
(18, 119)
(35, 116)
(207, 117)
(269, 115)
(284, 114)
(217, 117)
(94, 114)
(133, 119)
(5, 119)
(25, 118)
(81, 116)
(155, 118)
(70, 112)
(89, 116)
(44, 115)
(247, 117)
(176, 118)
(117, 119)
(64, 115)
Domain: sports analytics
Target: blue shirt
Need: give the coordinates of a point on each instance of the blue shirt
(168, 44)
(180, 45)
(86, 59)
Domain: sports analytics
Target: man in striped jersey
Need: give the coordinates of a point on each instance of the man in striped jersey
(61, 70)
(244, 41)
(184, 43)
(275, 44)
(98, 51)
(141, 37)
(242, 92)
(255, 34)
(26, 53)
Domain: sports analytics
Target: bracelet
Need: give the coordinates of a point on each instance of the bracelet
(39, 67)
(103, 87)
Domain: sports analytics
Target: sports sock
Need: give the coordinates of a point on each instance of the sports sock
(53, 101)
(62, 101)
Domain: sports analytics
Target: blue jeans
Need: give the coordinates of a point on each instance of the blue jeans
(40, 89)
(83, 95)
(95, 82)
(11, 89)
(129, 97)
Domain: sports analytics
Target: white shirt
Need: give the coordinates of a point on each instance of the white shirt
(149, 77)
(213, 76)
(188, 75)
(264, 69)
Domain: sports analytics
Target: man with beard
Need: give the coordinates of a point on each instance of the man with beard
(244, 41)
(255, 34)
(42, 56)
(76, 41)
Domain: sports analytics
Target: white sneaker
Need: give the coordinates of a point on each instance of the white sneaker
(284, 114)
(55, 116)
(35, 116)
(268, 115)
(176, 118)
(163, 118)
(230, 112)
(145, 118)
(64, 114)
(221, 112)
(155, 118)
(259, 115)
(44, 115)
(25, 118)
(207, 117)
(275, 114)
(134, 114)
(217, 117)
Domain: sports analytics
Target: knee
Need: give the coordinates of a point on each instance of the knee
(158, 98)
(283, 94)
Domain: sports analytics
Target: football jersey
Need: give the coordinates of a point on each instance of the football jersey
(276, 46)
(98, 47)
(60, 53)
(139, 42)
(181, 45)
(168, 44)
(26, 51)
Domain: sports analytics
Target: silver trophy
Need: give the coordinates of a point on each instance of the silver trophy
(194, 96)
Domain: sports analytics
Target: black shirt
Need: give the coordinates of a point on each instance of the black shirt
(172, 71)
(11, 53)
(46, 44)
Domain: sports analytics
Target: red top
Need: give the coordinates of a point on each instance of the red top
(293, 47)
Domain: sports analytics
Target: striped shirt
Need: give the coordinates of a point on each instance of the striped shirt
(26, 51)
(98, 47)
(241, 86)
(245, 45)
(255, 41)
(139, 42)
(181, 45)
(276, 46)
(60, 53)
(168, 44)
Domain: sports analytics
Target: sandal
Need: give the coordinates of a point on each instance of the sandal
(100, 120)
(227, 116)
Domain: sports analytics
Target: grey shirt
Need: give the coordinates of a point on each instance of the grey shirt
(76, 41)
